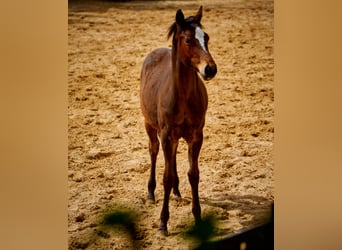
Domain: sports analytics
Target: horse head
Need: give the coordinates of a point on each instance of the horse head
(191, 43)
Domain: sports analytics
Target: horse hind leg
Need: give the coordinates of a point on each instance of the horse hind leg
(153, 150)
(176, 179)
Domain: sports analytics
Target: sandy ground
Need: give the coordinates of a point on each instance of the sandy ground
(108, 146)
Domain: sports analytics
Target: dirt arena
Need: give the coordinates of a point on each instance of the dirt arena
(108, 146)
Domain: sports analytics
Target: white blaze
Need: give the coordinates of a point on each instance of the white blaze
(199, 35)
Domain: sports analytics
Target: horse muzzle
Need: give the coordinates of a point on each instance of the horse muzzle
(208, 72)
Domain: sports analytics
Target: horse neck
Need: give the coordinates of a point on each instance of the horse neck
(185, 78)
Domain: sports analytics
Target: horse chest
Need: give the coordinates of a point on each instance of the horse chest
(187, 115)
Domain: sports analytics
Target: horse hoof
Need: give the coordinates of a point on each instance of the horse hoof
(151, 198)
(163, 232)
(177, 193)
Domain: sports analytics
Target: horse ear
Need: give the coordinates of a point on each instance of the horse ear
(199, 14)
(180, 19)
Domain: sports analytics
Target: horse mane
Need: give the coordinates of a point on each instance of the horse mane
(172, 30)
(190, 23)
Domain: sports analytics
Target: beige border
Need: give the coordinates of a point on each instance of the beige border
(33, 63)
(308, 137)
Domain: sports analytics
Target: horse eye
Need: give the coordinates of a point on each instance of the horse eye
(187, 41)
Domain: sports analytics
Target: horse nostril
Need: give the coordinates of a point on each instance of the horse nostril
(207, 70)
(210, 71)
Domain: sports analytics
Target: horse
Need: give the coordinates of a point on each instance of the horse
(174, 100)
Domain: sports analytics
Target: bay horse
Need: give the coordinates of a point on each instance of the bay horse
(174, 101)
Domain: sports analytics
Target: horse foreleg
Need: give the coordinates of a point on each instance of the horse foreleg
(193, 174)
(169, 148)
(153, 149)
